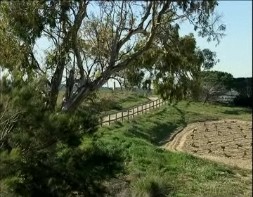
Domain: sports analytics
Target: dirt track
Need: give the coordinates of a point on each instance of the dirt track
(226, 141)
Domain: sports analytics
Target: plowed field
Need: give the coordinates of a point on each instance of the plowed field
(226, 141)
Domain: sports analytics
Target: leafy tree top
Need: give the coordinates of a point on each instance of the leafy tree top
(83, 39)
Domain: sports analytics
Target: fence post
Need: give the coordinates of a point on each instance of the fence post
(116, 116)
(122, 116)
(109, 119)
(141, 109)
(128, 114)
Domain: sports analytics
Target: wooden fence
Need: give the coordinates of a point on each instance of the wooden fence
(129, 113)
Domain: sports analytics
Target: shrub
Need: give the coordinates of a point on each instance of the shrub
(44, 155)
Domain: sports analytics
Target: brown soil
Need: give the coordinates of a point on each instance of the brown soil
(226, 141)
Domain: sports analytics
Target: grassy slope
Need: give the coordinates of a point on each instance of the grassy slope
(113, 101)
(153, 171)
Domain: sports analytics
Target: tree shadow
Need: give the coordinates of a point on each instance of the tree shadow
(237, 112)
(156, 134)
(98, 166)
(182, 115)
(78, 173)
(232, 112)
(160, 132)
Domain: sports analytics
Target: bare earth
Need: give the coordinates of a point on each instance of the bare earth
(226, 141)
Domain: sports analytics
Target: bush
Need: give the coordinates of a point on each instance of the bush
(46, 153)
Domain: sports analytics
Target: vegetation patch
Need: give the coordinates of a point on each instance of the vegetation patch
(149, 168)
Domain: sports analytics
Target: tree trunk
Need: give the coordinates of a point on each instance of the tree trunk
(55, 84)
(206, 98)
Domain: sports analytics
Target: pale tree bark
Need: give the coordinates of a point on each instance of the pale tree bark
(107, 38)
(68, 42)
(113, 66)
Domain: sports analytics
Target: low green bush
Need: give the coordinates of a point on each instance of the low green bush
(49, 153)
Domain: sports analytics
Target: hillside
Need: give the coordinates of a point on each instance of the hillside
(150, 170)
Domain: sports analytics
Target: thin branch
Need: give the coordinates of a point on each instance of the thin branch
(139, 29)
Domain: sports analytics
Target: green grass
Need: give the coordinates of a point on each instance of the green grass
(152, 171)
(110, 101)
(113, 101)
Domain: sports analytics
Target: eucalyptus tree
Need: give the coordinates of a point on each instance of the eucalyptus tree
(86, 36)
(175, 64)
(86, 43)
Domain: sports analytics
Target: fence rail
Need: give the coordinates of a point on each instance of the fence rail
(131, 112)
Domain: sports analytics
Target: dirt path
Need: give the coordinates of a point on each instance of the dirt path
(226, 141)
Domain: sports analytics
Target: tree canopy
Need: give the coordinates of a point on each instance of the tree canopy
(86, 36)
(86, 43)
(214, 84)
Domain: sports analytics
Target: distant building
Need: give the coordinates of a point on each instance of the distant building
(228, 96)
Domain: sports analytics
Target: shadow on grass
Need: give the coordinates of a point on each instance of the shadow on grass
(237, 112)
(182, 116)
(160, 130)
(233, 112)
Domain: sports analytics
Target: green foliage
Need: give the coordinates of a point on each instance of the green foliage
(209, 59)
(85, 41)
(216, 77)
(214, 84)
(43, 154)
(151, 169)
(118, 100)
(175, 64)
(133, 77)
(181, 67)
(152, 186)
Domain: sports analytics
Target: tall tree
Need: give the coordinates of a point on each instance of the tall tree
(85, 35)
(88, 42)
(176, 63)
